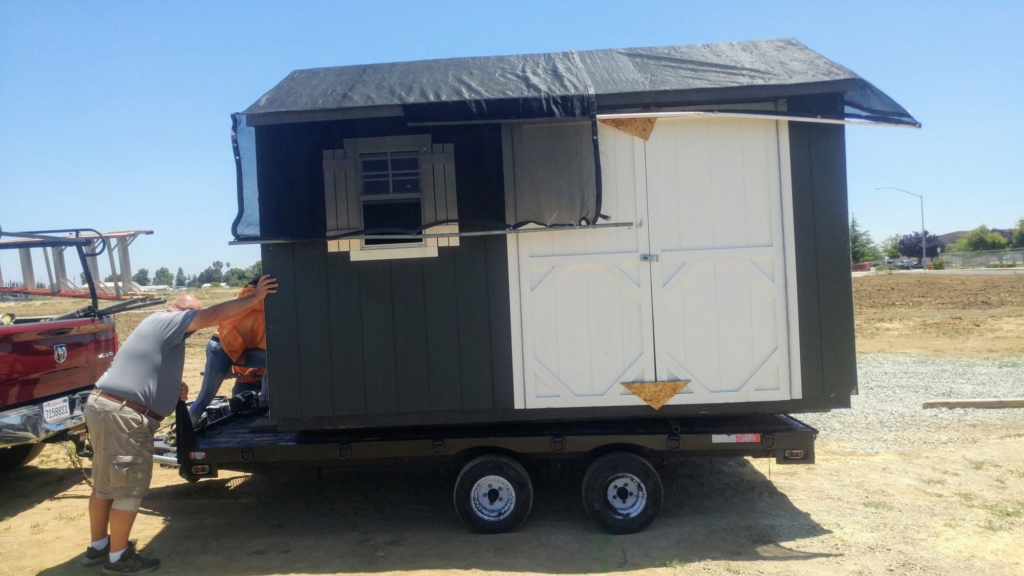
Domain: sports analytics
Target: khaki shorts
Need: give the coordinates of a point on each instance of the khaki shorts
(122, 442)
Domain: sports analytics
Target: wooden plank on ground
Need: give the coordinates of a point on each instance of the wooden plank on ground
(976, 403)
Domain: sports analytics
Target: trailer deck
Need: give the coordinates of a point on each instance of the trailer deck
(245, 443)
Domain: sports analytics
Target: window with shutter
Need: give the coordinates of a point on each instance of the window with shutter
(388, 186)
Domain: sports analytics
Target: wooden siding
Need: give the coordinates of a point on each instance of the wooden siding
(428, 342)
(828, 358)
(388, 337)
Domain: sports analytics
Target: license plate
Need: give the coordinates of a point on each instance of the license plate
(56, 411)
(735, 438)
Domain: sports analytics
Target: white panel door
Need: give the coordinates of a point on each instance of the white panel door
(719, 284)
(585, 297)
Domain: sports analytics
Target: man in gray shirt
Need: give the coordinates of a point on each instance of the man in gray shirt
(141, 388)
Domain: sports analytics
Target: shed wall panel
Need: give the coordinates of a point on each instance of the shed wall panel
(410, 330)
(390, 336)
(442, 323)
(824, 284)
(347, 364)
(378, 313)
(281, 316)
(315, 349)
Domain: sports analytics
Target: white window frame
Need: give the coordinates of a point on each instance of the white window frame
(429, 154)
(419, 144)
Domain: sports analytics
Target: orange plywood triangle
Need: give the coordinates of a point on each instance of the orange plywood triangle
(639, 127)
(655, 394)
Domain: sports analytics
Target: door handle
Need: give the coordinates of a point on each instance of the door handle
(648, 257)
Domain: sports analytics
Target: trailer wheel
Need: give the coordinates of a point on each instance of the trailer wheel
(15, 456)
(622, 493)
(493, 494)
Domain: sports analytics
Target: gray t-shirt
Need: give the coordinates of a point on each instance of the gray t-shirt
(148, 365)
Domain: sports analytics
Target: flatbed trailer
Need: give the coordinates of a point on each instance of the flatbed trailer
(621, 488)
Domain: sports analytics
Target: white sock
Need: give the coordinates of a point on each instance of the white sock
(100, 544)
(115, 556)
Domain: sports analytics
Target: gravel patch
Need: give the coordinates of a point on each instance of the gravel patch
(887, 414)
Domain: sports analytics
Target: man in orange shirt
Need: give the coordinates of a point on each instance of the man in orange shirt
(239, 341)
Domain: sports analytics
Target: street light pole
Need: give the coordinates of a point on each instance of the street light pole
(924, 235)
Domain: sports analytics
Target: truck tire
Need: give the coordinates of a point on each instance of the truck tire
(493, 494)
(16, 456)
(622, 493)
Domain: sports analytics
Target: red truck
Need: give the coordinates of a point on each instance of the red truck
(49, 364)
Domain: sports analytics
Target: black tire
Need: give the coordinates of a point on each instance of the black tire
(622, 493)
(493, 494)
(17, 456)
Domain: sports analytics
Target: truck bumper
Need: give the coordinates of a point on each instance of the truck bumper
(26, 425)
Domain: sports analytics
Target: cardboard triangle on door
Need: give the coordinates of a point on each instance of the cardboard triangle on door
(655, 394)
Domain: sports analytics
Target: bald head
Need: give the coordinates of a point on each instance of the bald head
(185, 302)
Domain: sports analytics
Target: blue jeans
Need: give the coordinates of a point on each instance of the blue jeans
(218, 365)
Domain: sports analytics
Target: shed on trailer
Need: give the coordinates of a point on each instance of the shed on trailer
(567, 236)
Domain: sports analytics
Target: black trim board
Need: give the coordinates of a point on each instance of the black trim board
(828, 361)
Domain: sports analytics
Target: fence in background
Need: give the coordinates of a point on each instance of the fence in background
(987, 258)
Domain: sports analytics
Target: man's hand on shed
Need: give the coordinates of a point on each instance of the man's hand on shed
(267, 284)
(218, 313)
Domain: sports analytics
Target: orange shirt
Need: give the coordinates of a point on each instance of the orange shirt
(240, 333)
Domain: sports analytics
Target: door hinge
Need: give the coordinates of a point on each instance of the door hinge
(648, 257)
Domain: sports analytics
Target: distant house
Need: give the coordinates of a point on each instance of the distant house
(951, 238)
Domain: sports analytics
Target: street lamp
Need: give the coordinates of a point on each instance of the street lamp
(924, 235)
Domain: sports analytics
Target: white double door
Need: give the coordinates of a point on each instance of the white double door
(697, 290)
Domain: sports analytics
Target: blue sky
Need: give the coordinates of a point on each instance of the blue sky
(115, 115)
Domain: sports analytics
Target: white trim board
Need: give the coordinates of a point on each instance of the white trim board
(789, 242)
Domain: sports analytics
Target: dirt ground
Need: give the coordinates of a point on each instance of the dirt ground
(962, 316)
(953, 509)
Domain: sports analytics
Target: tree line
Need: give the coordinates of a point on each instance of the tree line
(217, 273)
(864, 249)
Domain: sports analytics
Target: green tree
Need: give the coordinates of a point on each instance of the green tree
(215, 273)
(862, 247)
(909, 245)
(180, 279)
(981, 238)
(1018, 234)
(236, 277)
(890, 247)
(142, 277)
(163, 277)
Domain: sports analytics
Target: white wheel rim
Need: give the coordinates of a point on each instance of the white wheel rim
(626, 495)
(493, 498)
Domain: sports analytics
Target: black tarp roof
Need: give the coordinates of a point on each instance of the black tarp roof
(576, 84)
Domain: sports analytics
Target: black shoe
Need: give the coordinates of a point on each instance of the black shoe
(93, 556)
(131, 563)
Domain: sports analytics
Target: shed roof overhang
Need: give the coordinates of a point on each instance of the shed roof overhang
(571, 85)
(564, 86)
